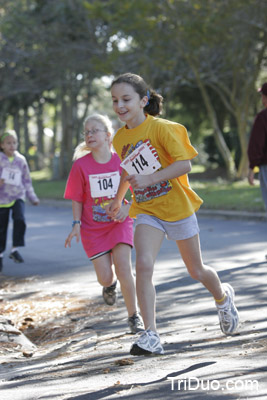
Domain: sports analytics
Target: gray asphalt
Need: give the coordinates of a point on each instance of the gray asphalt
(199, 363)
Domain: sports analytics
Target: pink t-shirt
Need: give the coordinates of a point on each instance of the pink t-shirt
(94, 185)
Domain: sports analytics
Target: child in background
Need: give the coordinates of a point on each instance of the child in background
(156, 156)
(92, 183)
(15, 185)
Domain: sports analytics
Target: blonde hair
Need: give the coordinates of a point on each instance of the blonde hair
(7, 134)
(82, 150)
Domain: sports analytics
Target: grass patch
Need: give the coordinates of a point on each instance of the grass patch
(45, 187)
(197, 169)
(42, 175)
(229, 195)
(50, 189)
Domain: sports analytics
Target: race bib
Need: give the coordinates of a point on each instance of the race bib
(141, 161)
(104, 185)
(11, 176)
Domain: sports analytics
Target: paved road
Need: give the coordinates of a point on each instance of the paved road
(45, 255)
(200, 363)
(226, 243)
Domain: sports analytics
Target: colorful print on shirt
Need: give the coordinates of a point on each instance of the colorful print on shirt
(99, 212)
(139, 165)
(103, 188)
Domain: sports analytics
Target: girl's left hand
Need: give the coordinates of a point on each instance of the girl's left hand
(123, 213)
(113, 208)
(74, 233)
(139, 181)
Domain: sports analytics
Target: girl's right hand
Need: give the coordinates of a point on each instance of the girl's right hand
(113, 208)
(123, 213)
(75, 232)
(251, 177)
(2, 181)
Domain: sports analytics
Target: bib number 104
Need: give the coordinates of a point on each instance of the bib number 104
(104, 184)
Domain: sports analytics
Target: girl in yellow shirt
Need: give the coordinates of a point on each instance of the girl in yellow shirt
(156, 156)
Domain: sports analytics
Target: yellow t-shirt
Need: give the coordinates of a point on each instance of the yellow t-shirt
(170, 200)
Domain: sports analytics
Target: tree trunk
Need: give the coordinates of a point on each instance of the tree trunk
(55, 130)
(40, 136)
(65, 160)
(80, 121)
(242, 134)
(17, 125)
(242, 112)
(26, 131)
(219, 139)
(40, 129)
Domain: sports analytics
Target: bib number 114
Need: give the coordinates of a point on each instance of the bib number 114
(139, 164)
(141, 161)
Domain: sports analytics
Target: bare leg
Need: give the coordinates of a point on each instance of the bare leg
(123, 267)
(104, 270)
(191, 254)
(147, 241)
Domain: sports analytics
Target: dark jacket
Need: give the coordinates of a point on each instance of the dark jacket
(257, 148)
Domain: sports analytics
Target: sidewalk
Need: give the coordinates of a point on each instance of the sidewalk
(82, 347)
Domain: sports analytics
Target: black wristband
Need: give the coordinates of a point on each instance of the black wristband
(75, 222)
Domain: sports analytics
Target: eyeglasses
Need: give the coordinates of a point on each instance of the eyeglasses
(93, 131)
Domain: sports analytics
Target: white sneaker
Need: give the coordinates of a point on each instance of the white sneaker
(135, 323)
(147, 343)
(228, 314)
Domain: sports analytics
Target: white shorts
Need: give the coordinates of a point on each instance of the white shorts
(177, 230)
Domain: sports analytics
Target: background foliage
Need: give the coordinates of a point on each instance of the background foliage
(207, 58)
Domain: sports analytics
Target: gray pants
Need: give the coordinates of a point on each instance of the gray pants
(263, 183)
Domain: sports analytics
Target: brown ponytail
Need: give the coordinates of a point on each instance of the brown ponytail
(155, 102)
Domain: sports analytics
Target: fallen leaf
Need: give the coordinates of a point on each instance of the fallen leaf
(27, 354)
(124, 361)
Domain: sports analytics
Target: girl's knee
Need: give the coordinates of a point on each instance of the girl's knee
(105, 281)
(144, 267)
(197, 273)
(202, 273)
(124, 274)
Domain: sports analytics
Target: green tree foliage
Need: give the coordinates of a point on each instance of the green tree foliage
(218, 47)
(50, 47)
(207, 55)
(44, 42)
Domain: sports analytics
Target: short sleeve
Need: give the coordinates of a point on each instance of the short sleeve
(75, 187)
(174, 138)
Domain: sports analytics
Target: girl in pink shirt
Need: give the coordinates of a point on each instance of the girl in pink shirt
(92, 183)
